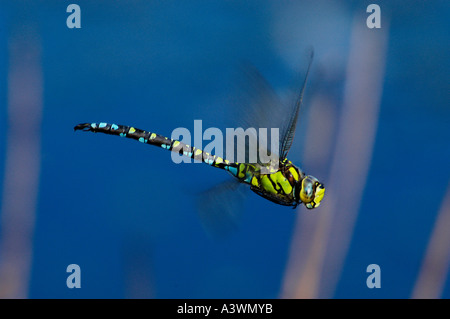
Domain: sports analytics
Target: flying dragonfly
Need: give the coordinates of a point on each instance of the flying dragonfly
(286, 184)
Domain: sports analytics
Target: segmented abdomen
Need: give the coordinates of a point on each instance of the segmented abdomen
(158, 140)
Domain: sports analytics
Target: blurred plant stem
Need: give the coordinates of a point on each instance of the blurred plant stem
(22, 165)
(435, 265)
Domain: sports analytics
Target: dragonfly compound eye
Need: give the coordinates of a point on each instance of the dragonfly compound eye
(307, 192)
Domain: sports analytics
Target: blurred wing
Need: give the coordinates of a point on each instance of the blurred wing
(256, 105)
(288, 132)
(259, 105)
(220, 207)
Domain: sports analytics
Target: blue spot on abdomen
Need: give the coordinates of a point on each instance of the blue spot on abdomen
(232, 170)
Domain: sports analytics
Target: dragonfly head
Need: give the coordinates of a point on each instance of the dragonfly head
(310, 192)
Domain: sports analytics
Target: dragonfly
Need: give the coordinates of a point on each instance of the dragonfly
(286, 184)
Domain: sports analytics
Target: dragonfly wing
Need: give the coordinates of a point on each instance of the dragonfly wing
(256, 105)
(288, 131)
(220, 207)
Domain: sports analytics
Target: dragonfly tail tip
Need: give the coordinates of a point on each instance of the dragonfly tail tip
(83, 127)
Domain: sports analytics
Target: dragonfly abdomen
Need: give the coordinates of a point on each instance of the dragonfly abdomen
(147, 137)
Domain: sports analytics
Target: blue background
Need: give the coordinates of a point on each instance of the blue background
(126, 213)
